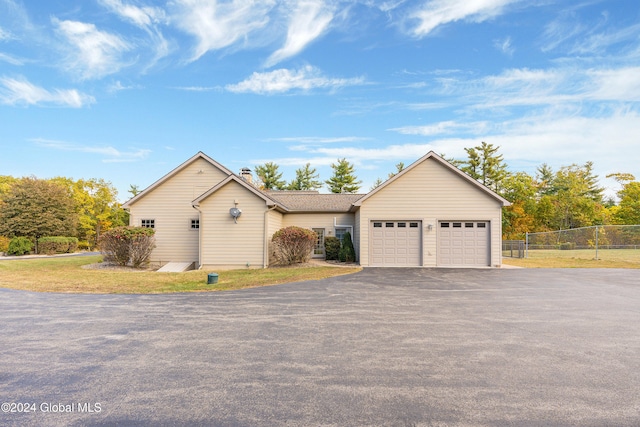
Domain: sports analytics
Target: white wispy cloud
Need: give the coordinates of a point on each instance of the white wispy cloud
(553, 86)
(91, 53)
(148, 19)
(143, 17)
(621, 84)
(117, 86)
(19, 91)
(599, 42)
(219, 24)
(434, 13)
(444, 127)
(308, 20)
(5, 35)
(284, 80)
(111, 154)
(320, 139)
(11, 59)
(199, 88)
(504, 46)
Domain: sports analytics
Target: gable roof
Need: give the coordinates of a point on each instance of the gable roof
(199, 155)
(446, 164)
(233, 177)
(312, 201)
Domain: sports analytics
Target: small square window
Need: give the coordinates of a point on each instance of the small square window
(402, 224)
(413, 224)
(389, 224)
(148, 223)
(457, 225)
(444, 225)
(482, 225)
(468, 225)
(377, 224)
(195, 224)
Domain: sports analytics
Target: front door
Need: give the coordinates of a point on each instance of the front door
(318, 250)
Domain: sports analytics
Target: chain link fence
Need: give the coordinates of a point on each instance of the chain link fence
(586, 239)
(513, 248)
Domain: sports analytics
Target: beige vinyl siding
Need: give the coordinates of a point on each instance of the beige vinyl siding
(275, 220)
(170, 206)
(430, 192)
(225, 243)
(274, 223)
(320, 220)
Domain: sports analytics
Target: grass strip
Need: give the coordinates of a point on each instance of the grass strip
(66, 275)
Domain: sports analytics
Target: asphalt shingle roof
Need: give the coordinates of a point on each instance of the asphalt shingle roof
(312, 201)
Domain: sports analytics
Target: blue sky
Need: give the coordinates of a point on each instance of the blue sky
(126, 90)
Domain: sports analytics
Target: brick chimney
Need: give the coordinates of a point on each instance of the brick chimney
(245, 173)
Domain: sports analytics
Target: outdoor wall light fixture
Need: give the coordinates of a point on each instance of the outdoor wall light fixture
(429, 227)
(235, 213)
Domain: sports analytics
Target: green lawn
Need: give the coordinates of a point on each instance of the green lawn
(67, 275)
(579, 258)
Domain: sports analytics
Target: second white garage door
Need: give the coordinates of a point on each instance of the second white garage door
(463, 243)
(395, 243)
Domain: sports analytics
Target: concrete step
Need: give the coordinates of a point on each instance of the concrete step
(176, 267)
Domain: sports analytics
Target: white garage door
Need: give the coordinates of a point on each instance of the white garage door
(395, 243)
(463, 243)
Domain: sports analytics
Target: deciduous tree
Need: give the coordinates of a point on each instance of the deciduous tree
(35, 208)
(629, 208)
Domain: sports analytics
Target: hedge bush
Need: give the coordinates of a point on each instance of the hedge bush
(332, 248)
(293, 245)
(57, 245)
(127, 245)
(19, 246)
(347, 252)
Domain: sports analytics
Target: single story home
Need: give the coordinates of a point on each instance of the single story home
(431, 214)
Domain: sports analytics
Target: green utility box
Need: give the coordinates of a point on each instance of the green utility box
(212, 278)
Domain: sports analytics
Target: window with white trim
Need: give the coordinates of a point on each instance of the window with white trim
(195, 224)
(340, 233)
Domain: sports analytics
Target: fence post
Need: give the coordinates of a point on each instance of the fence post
(526, 245)
(596, 242)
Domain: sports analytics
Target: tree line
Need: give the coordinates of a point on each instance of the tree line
(343, 179)
(566, 198)
(35, 208)
(569, 197)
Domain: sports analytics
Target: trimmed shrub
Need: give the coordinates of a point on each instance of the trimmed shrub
(293, 245)
(4, 244)
(57, 245)
(127, 245)
(347, 252)
(332, 248)
(19, 246)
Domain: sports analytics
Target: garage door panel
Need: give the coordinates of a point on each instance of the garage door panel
(399, 243)
(463, 243)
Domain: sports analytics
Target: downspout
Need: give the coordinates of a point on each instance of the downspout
(265, 249)
(197, 207)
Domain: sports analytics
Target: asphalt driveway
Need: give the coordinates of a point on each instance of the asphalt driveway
(396, 347)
